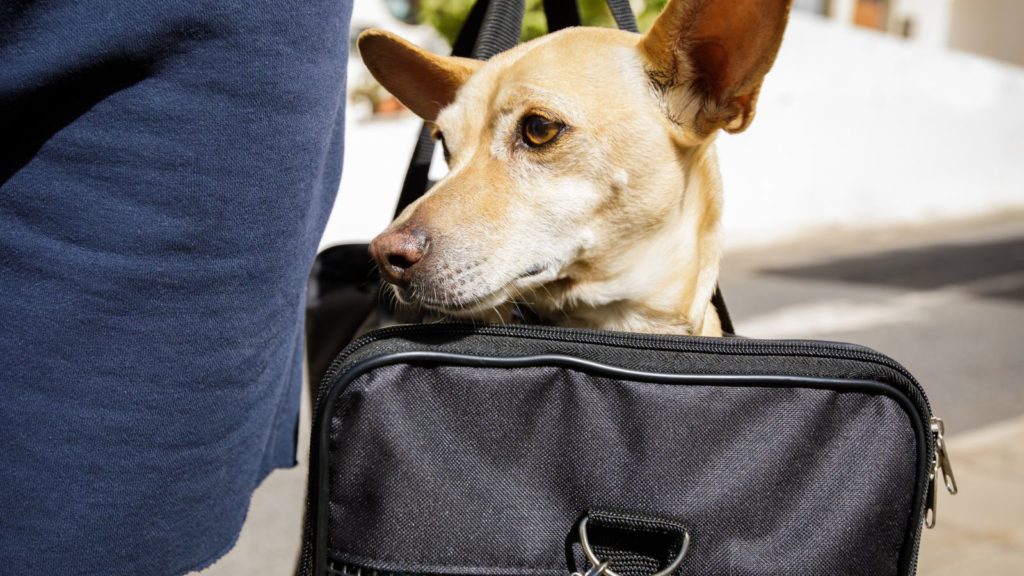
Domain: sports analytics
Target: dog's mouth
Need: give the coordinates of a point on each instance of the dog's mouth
(452, 304)
(536, 270)
(460, 301)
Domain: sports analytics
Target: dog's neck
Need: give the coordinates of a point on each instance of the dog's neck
(664, 281)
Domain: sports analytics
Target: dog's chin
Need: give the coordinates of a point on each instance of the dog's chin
(467, 308)
(471, 308)
(475, 306)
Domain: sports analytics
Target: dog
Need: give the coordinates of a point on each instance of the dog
(583, 182)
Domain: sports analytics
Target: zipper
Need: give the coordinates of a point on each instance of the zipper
(941, 464)
(335, 568)
(817, 349)
(938, 457)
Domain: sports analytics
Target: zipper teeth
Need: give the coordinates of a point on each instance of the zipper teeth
(819, 349)
(789, 347)
(344, 569)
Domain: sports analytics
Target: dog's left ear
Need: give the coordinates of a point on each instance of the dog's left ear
(711, 57)
(423, 81)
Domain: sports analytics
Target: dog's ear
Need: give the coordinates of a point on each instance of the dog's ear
(423, 81)
(711, 57)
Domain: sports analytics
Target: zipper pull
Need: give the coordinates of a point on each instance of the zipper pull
(942, 464)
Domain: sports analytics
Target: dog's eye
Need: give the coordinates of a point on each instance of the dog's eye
(538, 130)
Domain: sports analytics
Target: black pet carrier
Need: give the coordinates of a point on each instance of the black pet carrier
(452, 449)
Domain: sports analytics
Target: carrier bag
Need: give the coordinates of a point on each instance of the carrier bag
(526, 450)
(457, 449)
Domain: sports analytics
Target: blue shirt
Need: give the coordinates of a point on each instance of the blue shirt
(166, 171)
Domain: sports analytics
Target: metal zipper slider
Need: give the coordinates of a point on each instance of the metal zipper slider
(942, 464)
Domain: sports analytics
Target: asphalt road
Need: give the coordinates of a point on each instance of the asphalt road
(946, 300)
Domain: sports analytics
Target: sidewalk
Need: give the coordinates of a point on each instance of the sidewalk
(979, 531)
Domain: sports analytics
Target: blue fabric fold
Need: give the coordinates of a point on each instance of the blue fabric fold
(166, 172)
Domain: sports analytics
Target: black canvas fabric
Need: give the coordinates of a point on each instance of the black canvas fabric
(454, 449)
(481, 470)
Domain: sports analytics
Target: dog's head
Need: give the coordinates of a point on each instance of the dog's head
(572, 157)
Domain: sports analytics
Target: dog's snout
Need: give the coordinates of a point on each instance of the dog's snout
(398, 252)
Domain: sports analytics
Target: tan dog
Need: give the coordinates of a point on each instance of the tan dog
(583, 179)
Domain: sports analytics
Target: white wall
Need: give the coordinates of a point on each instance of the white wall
(931, 20)
(842, 11)
(858, 129)
(819, 7)
(993, 28)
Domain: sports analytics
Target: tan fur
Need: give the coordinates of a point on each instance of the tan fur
(619, 216)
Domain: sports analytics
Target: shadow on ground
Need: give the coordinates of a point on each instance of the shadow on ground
(926, 268)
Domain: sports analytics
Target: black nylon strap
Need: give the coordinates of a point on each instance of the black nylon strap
(565, 13)
(718, 301)
(501, 28)
(417, 176)
(623, 15)
(470, 31)
(561, 14)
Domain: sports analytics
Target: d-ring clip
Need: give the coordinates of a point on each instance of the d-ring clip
(594, 571)
(602, 568)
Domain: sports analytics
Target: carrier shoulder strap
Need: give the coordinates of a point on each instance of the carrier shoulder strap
(565, 13)
(718, 301)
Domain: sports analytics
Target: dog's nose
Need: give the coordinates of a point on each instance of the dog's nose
(398, 252)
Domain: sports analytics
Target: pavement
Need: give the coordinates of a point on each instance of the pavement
(946, 300)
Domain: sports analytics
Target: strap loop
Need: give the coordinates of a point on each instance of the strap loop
(638, 525)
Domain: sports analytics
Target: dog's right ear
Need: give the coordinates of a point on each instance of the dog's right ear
(423, 81)
(710, 57)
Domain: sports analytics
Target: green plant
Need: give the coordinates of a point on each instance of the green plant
(446, 16)
(646, 17)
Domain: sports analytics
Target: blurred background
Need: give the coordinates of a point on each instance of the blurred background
(877, 198)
